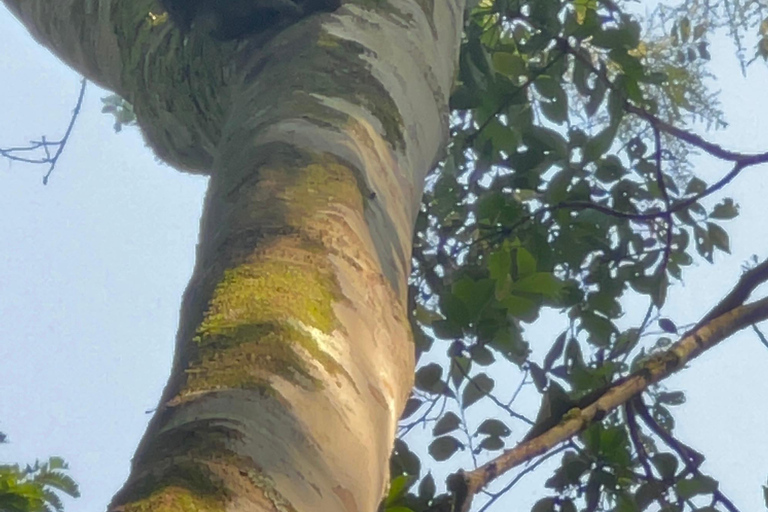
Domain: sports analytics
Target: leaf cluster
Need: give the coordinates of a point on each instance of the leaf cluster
(34, 488)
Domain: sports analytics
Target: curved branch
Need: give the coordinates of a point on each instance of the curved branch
(655, 369)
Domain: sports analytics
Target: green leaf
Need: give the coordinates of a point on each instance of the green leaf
(53, 500)
(655, 77)
(446, 330)
(596, 98)
(667, 325)
(444, 447)
(492, 443)
(548, 140)
(548, 87)
(478, 387)
(519, 307)
(501, 136)
(398, 487)
(411, 406)
(625, 37)
(460, 367)
(704, 51)
(574, 468)
(664, 418)
(448, 423)
(425, 316)
(557, 189)
(493, 427)
(509, 343)
(465, 98)
(671, 397)
(719, 237)
(647, 493)
(555, 351)
(481, 355)
(474, 295)
(454, 310)
(580, 75)
(556, 110)
(703, 243)
(427, 487)
(725, 210)
(428, 377)
(666, 464)
(699, 30)
(609, 169)
(525, 261)
(509, 64)
(685, 29)
(599, 328)
(500, 263)
(540, 283)
(598, 145)
(403, 460)
(544, 505)
(616, 102)
(695, 486)
(695, 186)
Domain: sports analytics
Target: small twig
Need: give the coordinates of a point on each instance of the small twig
(529, 469)
(45, 145)
(691, 457)
(667, 203)
(760, 335)
(495, 400)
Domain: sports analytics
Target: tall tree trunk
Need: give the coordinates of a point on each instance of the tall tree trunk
(294, 356)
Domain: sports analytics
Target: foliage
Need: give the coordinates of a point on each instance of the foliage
(33, 488)
(568, 188)
(689, 22)
(120, 109)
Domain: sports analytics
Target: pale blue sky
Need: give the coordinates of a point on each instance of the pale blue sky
(93, 265)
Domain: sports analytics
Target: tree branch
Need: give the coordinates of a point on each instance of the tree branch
(724, 320)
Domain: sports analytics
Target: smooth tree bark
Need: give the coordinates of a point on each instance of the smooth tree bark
(294, 355)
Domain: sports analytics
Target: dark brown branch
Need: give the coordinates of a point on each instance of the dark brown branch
(748, 281)
(692, 458)
(695, 140)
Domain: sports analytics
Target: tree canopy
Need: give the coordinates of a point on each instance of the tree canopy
(570, 187)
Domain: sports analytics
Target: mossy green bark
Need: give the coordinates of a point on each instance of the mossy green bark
(183, 488)
(268, 312)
